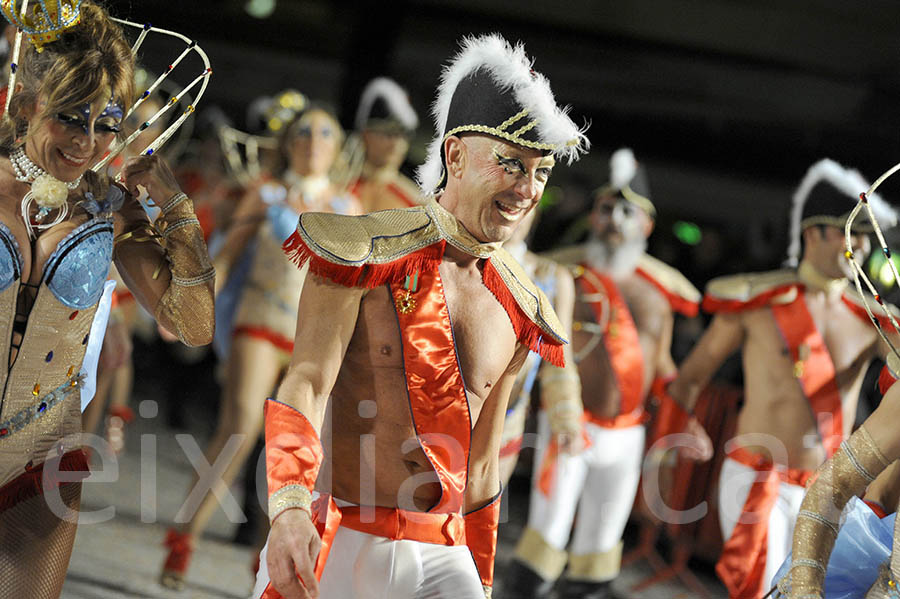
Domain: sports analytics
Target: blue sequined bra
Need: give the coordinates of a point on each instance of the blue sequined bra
(77, 269)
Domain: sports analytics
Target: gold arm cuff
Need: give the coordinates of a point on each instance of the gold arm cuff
(846, 474)
(289, 497)
(561, 398)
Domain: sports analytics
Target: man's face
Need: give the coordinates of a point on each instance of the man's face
(66, 144)
(498, 183)
(825, 247)
(385, 149)
(617, 222)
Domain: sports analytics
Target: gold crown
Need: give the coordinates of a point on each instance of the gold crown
(45, 20)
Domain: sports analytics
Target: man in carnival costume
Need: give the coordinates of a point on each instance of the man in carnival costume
(623, 333)
(560, 388)
(386, 121)
(407, 496)
(806, 342)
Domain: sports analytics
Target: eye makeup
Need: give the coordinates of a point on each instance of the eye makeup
(109, 121)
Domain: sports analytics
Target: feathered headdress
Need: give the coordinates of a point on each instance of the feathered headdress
(826, 196)
(383, 101)
(489, 87)
(628, 177)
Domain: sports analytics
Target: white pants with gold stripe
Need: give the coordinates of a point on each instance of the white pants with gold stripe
(599, 484)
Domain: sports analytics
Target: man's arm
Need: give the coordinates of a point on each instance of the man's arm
(561, 387)
(482, 508)
(723, 337)
(326, 319)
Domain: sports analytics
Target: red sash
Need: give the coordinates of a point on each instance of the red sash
(813, 368)
(742, 564)
(620, 337)
(437, 393)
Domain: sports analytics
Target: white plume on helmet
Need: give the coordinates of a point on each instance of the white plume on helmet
(510, 69)
(846, 180)
(396, 99)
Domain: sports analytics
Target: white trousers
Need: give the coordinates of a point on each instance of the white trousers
(364, 566)
(600, 482)
(735, 481)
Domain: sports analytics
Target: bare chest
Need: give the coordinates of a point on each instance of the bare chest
(847, 338)
(479, 328)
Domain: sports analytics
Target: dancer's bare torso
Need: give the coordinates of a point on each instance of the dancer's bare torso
(371, 455)
(776, 420)
(653, 319)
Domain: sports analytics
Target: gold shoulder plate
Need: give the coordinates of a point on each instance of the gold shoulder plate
(746, 286)
(376, 238)
(669, 278)
(528, 296)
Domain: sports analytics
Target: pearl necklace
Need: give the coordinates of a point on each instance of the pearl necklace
(46, 190)
(27, 171)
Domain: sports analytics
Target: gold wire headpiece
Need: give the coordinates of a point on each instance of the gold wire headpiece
(47, 21)
(859, 275)
(202, 79)
(244, 166)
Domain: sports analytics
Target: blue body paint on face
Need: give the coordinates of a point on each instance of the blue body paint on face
(81, 117)
(85, 111)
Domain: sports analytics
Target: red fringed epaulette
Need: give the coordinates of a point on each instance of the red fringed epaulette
(385, 246)
(682, 296)
(749, 291)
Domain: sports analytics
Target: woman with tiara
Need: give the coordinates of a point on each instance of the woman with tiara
(265, 319)
(61, 226)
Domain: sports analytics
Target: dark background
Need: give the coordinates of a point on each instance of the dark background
(727, 102)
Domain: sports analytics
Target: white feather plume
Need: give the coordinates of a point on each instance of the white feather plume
(622, 168)
(511, 69)
(846, 180)
(396, 98)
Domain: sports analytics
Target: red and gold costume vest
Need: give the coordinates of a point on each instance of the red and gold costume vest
(614, 327)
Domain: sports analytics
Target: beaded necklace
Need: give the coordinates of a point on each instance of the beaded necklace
(48, 192)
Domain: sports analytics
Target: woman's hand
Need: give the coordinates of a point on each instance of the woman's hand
(153, 174)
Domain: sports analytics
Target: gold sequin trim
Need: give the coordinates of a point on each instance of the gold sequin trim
(503, 135)
(289, 497)
(508, 122)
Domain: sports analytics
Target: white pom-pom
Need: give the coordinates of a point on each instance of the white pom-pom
(49, 192)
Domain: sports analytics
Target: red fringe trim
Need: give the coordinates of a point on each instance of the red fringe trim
(526, 330)
(30, 484)
(678, 303)
(365, 275)
(712, 304)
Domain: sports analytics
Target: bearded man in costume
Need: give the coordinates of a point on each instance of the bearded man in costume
(806, 343)
(623, 332)
(414, 324)
(386, 121)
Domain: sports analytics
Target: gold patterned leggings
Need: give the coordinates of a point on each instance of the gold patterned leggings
(35, 546)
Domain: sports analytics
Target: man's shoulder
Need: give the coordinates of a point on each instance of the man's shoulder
(678, 291)
(747, 291)
(376, 238)
(857, 303)
(407, 189)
